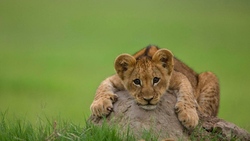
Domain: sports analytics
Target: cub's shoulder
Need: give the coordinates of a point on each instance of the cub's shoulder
(148, 51)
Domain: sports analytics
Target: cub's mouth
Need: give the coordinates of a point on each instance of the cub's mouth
(148, 107)
(147, 104)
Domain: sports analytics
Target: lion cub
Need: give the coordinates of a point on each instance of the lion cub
(148, 74)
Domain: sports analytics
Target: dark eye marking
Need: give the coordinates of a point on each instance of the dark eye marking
(137, 82)
(156, 80)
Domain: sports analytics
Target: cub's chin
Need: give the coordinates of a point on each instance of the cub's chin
(148, 107)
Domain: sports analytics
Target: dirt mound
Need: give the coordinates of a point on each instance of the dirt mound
(163, 121)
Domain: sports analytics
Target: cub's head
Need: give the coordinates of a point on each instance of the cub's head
(147, 77)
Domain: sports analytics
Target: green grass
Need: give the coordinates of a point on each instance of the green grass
(57, 129)
(46, 129)
(54, 54)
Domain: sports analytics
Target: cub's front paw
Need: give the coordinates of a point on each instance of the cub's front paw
(103, 106)
(187, 114)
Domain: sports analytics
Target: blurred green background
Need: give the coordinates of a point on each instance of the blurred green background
(55, 53)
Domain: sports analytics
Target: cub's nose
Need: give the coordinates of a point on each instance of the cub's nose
(148, 99)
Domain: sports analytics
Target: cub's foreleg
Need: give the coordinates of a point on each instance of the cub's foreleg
(105, 96)
(208, 94)
(186, 104)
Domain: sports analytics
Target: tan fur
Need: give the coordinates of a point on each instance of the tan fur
(148, 74)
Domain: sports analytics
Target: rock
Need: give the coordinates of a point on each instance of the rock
(163, 121)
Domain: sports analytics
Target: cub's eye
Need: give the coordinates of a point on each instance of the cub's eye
(137, 82)
(156, 80)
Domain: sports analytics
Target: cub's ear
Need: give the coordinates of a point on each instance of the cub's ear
(165, 58)
(123, 64)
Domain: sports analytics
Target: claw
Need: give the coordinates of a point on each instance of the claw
(177, 110)
(110, 109)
